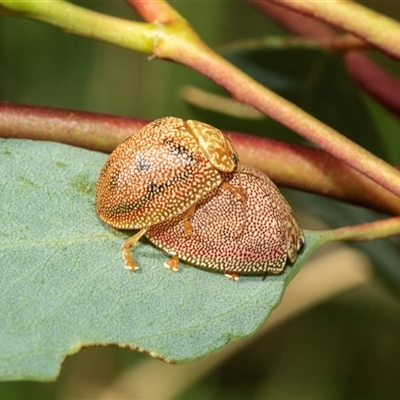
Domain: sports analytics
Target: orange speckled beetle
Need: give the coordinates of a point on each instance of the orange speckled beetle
(162, 170)
(226, 239)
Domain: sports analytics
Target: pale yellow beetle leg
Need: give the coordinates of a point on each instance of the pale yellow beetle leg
(126, 246)
(172, 264)
(187, 226)
(187, 220)
(236, 191)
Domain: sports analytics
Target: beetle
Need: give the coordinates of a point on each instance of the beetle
(255, 235)
(163, 170)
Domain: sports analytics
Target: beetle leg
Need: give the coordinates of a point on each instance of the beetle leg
(187, 226)
(172, 264)
(187, 220)
(129, 261)
(231, 275)
(237, 192)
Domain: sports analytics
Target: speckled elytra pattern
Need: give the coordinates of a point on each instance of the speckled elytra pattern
(157, 173)
(217, 148)
(254, 235)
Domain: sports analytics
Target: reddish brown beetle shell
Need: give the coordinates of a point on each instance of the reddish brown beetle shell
(254, 235)
(155, 174)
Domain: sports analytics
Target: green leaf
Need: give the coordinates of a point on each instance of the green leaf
(63, 284)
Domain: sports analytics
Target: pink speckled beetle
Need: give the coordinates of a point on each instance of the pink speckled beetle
(228, 239)
(162, 170)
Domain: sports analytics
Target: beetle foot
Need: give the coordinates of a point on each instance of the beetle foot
(172, 264)
(126, 246)
(129, 261)
(131, 266)
(232, 275)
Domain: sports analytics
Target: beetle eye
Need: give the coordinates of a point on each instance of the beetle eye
(235, 158)
(300, 243)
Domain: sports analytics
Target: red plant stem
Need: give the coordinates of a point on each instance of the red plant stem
(295, 166)
(380, 84)
(380, 31)
(92, 131)
(376, 81)
(293, 21)
(157, 11)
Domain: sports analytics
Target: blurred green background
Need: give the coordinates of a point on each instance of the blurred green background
(344, 347)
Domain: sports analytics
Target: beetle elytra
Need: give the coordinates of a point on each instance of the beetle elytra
(255, 235)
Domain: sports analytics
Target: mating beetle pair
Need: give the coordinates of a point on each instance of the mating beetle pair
(171, 176)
